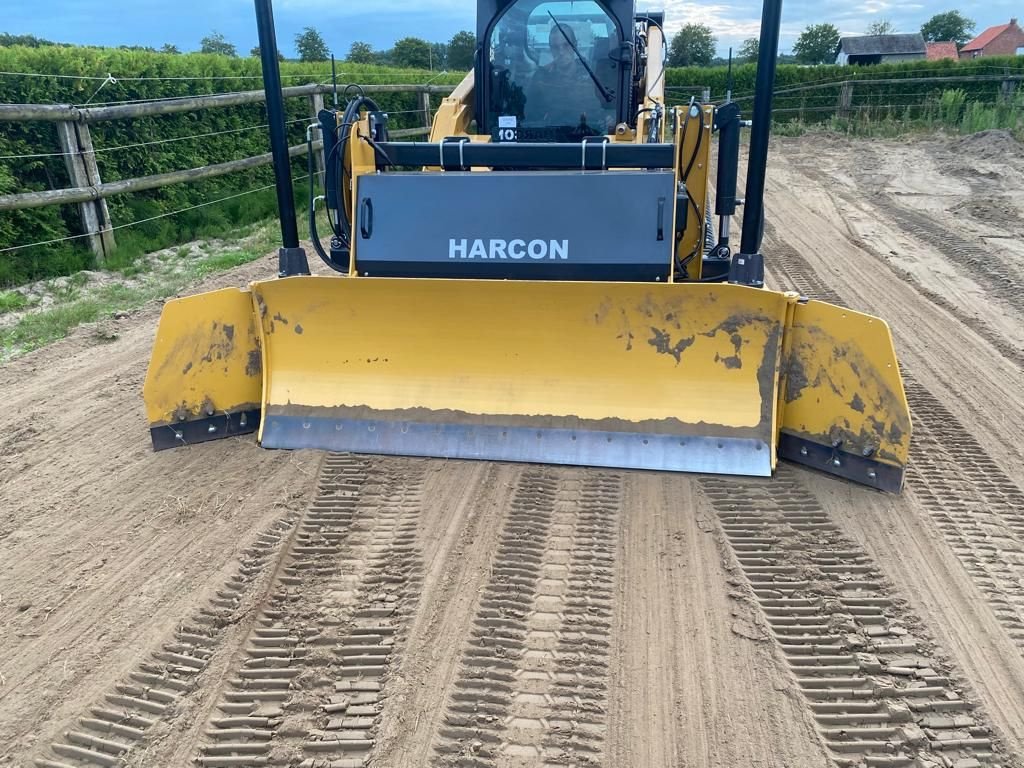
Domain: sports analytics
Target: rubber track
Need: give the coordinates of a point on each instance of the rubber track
(977, 506)
(878, 695)
(307, 689)
(532, 684)
(158, 688)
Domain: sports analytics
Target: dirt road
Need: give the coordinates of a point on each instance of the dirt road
(223, 605)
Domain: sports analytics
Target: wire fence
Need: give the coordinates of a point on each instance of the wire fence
(858, 97)
(148, 219)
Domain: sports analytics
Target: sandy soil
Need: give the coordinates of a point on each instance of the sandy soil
(105, 545)
(224, 605)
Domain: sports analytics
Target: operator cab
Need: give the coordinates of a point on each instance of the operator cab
(553, 71)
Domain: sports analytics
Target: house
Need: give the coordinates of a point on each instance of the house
(943, 50)
(1001, 40)
(875, 49)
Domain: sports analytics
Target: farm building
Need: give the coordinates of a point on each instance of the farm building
(943, 50)
(1000, 40)
(875, 49)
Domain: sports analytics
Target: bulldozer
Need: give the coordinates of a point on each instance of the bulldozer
(539, 281)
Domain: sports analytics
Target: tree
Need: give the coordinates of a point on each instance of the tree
(750, 48)
(311, 46)
(692, 46)
(412, 53)
(439, 56)
(360, 53)
(28, 40)
(169, 48)
(951, 25)
(255, 53)
(215, 42)
(460, 51)
(817, 44)
(881, 27)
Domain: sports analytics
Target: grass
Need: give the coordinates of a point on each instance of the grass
(949, 111)
(72, 308)
(11, 301)
(146, 280)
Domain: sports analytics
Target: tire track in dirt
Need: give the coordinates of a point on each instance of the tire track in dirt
(475, 722)
(387, 595)
(979, 511)
(308, 679)
(998, 278)
(458, 534)
(978, 508)
(577, 712)
(533, 683)
(119, 728)
(880, 695)
(557, 715)
(960, 252)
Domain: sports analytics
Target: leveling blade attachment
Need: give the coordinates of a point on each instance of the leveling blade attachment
(709, 378)
(640, 375)
(205, 378)
(844, 410)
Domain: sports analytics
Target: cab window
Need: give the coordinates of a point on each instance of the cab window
(553, 70)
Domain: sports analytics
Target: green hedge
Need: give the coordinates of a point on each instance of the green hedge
(200, 74)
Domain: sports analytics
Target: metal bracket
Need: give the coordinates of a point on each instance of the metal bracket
(461, 141)
(604, 154)
(203, 430)
(835, 461)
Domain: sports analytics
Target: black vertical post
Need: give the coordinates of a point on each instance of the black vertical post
(748, 265)
(291, 258)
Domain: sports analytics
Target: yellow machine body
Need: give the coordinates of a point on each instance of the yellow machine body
(675, 373)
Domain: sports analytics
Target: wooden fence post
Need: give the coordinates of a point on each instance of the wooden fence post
(92, 171)
(845, 99)
(428, 119)
(705, 96)
(316, 104)
(1006, 88)
(67, 135)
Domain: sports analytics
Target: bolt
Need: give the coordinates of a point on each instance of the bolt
(242, 421)
(803, 451)
(872, 474)
(211, 429)
(836, 462)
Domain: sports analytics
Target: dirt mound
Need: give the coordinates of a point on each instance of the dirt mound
(996, 144)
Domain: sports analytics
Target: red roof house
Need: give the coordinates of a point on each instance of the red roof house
(937, 51)
(1001, 40)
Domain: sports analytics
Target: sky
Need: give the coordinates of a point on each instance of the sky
(184, 22)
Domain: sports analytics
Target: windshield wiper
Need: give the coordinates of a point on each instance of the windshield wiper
(605, 93)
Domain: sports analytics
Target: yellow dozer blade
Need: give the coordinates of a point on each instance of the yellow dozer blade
(711, 378)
